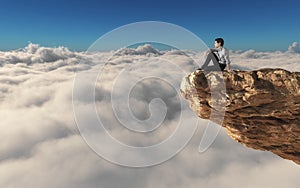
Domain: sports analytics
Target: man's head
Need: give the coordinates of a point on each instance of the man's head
(219, 42)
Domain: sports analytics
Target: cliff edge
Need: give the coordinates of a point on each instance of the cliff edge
(260, 109)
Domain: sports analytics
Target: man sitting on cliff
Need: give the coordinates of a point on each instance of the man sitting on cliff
(218, 55)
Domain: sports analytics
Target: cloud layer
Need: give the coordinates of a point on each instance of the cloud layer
(41, 145)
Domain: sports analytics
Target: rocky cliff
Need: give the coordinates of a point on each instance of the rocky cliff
(260, 109)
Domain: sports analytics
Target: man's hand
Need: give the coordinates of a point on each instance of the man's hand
(228, 67)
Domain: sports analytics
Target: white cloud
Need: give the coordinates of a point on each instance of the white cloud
(251, 60)
(41, 147)
(34, 54)
(295, 48)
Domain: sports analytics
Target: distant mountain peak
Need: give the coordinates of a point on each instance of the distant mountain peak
(140, 50)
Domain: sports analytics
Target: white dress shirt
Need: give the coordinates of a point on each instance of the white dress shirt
(223, 55)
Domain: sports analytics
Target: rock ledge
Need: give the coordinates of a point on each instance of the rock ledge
(260, 109)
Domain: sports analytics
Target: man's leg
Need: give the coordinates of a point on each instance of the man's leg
(211, 57)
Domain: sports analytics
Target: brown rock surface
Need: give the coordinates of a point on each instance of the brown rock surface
(260, 109)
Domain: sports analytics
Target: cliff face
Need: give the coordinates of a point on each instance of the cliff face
(260, 109)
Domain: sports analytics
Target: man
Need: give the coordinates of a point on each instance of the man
(219, 56)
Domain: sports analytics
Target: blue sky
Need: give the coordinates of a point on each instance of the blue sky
(263, 26)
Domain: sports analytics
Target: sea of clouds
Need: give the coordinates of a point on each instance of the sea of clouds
(41, 146)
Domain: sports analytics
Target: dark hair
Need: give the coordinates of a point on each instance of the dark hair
(220, 40)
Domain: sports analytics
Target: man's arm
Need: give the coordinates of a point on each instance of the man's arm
(227, 59)
(211, 50)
